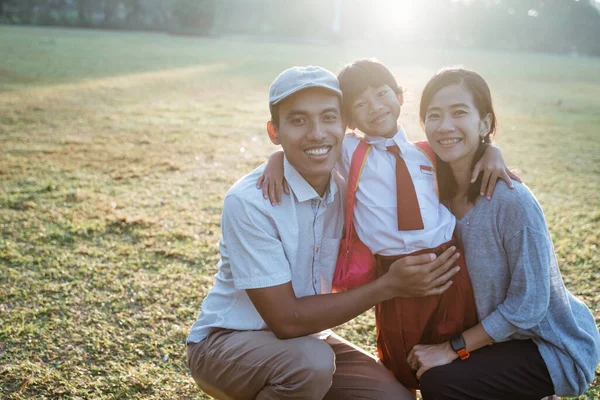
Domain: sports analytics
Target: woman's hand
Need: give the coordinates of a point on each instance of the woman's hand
(272, 180)
(423, 357)
(493, 166)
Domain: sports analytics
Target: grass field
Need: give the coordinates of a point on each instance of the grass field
(116, 150)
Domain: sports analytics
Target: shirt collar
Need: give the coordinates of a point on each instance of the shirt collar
(381, 142)
(302, 189)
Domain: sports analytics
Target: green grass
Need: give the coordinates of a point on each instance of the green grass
(116, 150)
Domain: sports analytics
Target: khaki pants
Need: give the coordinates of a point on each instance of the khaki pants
(230, 364)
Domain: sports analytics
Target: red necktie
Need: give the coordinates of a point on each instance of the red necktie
(409, 214)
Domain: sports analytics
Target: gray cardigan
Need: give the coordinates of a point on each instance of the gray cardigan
(519, 292)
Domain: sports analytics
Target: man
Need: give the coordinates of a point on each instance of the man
(262, 332)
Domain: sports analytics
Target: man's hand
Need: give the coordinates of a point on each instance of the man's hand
(423, 275)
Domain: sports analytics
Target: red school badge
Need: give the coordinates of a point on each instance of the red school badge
(425, 169)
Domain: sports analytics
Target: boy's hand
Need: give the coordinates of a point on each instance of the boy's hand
(272, 181)
(493, 166)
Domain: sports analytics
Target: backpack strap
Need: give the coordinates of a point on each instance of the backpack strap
(425, 147)
(359, 158)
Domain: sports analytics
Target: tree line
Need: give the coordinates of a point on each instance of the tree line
(561, 26)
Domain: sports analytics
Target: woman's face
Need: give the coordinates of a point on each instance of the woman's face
(453, 125)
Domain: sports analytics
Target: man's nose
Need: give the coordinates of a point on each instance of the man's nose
(317, 131)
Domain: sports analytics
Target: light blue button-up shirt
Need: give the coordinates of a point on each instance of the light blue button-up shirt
(264, 245)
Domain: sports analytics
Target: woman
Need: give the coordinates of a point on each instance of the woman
(534, 338)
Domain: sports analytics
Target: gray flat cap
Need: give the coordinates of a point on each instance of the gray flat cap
(295, 79)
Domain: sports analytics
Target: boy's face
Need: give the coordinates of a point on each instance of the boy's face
(375, 112)
(311, 133)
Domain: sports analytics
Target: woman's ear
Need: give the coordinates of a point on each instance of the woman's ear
(272, 132)
(486, 124)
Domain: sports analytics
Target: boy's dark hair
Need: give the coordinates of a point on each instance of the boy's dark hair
(482, 99)
(359, 75)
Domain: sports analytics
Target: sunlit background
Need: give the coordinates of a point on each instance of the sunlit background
(559, 26)
(123, 123)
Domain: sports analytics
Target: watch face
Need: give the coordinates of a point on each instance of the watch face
(457, 343)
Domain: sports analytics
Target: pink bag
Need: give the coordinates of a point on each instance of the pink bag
(355, 264)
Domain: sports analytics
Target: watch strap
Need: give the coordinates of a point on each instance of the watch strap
(459, 346)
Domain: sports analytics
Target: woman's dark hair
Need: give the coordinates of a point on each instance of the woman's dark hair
(482, 98)
(356, 77)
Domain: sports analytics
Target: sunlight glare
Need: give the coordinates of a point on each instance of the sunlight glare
(398, 17)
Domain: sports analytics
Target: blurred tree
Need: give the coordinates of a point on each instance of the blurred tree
(84, 12)
(193, 16)
(561, 26)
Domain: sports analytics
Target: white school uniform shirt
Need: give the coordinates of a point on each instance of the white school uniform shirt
(264, 245)
(375, 210)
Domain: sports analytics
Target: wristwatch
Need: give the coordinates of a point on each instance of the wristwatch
(459, 346)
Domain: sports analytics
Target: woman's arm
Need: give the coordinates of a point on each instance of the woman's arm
(424, 357)
(528, 258)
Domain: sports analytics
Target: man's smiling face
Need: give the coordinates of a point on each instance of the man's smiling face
(311, 132)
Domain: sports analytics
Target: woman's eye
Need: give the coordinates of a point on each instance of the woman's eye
(432, 116)
(458, 113)
(359, 105)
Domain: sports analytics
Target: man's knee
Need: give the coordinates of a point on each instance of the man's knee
(317, 360)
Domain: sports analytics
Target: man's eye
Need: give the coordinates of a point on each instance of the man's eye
(330, 118)
(359, 105)
(458, 113)
(433, 116)
(382, 93)
(297, 121)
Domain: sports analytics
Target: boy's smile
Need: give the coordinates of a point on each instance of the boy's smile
(375, 112)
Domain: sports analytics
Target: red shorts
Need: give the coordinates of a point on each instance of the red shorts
(405, 322)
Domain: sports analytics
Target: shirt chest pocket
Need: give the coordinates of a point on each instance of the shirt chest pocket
(428, 195)
(327, 256)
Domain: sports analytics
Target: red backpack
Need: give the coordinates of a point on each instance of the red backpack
(356, 264)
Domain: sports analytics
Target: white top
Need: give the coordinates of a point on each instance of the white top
(263, 246)
(375, 210)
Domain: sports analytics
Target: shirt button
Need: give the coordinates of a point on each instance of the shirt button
(315, 281)
(468, 223)
(317, 249)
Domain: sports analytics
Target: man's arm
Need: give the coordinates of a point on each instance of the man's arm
(414, 276)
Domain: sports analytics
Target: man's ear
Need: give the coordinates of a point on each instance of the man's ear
(401, 97)
(272, 131)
